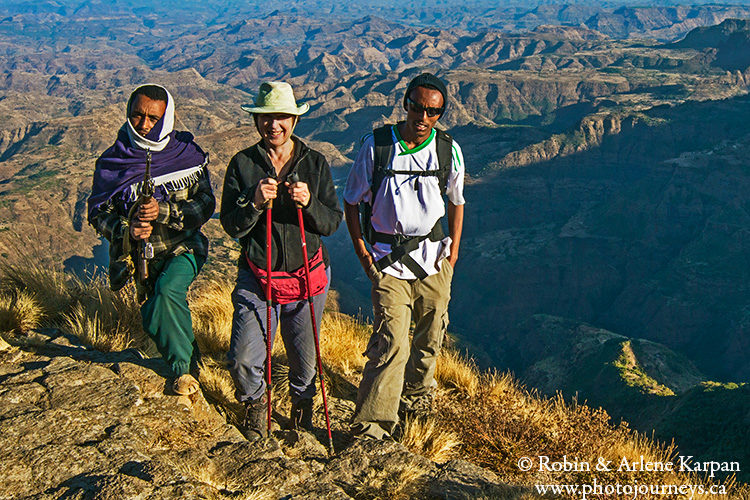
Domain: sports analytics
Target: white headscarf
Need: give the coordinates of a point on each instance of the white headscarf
(166, 128)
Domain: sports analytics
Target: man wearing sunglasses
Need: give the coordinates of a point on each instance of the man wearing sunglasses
(394, 200)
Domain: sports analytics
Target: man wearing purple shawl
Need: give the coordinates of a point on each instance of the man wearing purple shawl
(182, 202)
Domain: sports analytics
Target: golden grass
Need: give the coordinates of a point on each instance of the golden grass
(425, 437)
(454, 372)
(498, 385)
(212, 310)
(343, 339)
(206, 473)
(92, 331)
(637, 446)
(20, 312)
(225, 488)
(404, 484)
(504, 422)
(4, 346)
(397, 482)
(180, 436)
(119, 312)
(7, 321)
(43, 296)
(279, 380)
(50, 287)
(277, 350)
(257, 493)
(218, 388)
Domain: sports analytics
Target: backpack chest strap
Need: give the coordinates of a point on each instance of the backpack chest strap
(415, 173)
(401, 246)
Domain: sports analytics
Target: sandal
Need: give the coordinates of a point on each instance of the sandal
(185, 385)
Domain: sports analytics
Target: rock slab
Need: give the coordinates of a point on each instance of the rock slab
(77, 423)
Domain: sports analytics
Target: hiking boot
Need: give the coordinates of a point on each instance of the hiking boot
(415, 406)
(255, 423)
(301, 417)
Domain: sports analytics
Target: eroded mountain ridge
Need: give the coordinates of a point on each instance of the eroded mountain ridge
(608, 176)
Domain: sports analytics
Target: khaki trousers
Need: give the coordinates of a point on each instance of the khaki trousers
(394, 369)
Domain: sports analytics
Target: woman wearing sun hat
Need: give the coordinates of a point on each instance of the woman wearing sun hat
(256, 177)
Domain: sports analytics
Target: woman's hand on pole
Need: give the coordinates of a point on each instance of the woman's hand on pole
(299, 192)
(265, 191)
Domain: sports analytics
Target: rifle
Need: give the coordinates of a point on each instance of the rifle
(145, 248)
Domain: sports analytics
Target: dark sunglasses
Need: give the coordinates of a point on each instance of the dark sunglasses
(418, 108)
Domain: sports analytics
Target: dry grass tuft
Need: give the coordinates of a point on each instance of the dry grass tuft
(399, 482)
(206, 473)
(212, 310)
(504, 422)
(425, 437)
(4, 346)
(500, 385)
(218, 388)
(49, 286)
(20, 312)
(638, 445)
(92, 331)
(343, 339)
(224, 487)
(279, 381)
(27, 312)
(106, 320)
(257, 493)
(180, 436)
(277, 349)
(7, 323)
(119, 312)
(406, 483)
(454, 372)
(45, 296)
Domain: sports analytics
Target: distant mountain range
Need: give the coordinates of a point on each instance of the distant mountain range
(607, 214)
(663, 20)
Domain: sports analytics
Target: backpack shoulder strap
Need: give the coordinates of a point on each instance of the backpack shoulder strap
(444, 148)
(383, 153)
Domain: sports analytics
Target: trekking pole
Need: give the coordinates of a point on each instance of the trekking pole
(269, 305)
(294, 179)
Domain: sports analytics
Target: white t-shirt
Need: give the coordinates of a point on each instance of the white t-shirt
(405, 204)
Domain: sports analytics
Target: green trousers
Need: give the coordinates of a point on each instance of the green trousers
(395, 370)
(166, 315)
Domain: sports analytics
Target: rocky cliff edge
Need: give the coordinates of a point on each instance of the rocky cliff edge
(78, 423)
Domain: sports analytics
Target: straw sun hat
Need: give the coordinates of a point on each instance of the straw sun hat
(276, 97)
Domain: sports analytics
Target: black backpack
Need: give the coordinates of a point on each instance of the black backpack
(402, 245)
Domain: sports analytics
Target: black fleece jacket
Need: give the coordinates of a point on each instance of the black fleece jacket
(241, 220)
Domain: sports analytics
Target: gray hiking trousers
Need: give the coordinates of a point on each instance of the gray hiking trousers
(246, 358)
